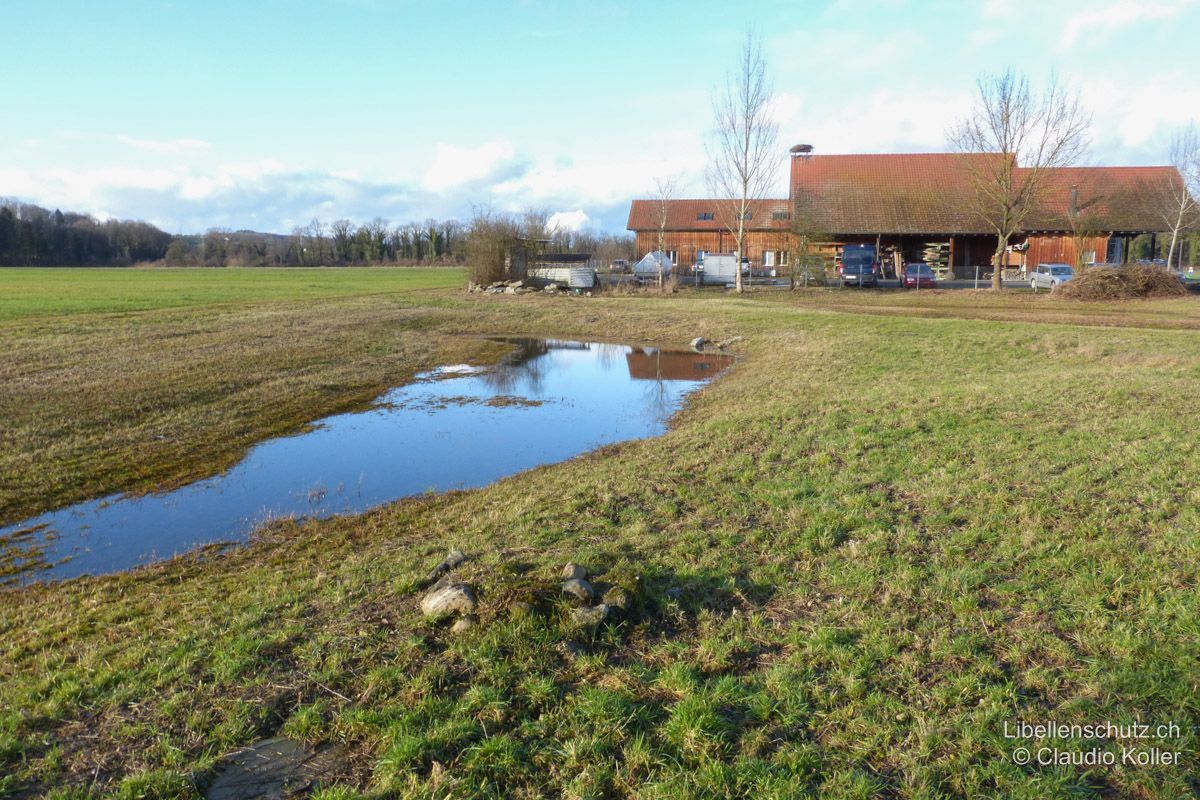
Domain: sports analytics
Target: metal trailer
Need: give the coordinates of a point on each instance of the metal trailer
(717, 269)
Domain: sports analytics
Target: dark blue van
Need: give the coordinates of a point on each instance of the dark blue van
(859, 265)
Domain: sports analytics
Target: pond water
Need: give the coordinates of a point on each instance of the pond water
(454, 427)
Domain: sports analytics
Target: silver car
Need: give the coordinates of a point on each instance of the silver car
(1047, 276)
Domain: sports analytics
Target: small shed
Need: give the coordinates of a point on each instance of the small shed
(572, 270)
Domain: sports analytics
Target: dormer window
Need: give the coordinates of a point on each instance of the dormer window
(704, 216)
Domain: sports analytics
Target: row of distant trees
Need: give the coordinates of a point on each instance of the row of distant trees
(31, 235)
(342, 243)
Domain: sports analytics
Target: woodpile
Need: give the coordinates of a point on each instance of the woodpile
(937, 256)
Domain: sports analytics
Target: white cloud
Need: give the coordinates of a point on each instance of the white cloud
(1138, 117)
(455, 166)
(243, 176)
(165, 146)
(1118, 15)
(568, 220)
(883, 121)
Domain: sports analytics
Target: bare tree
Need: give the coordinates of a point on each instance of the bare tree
(1011, 142)
(742, 161)
(341, 231)
(1180, 209)
(664, 193)
(316, 236)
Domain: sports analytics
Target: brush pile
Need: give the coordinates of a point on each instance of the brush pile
(1123, 283)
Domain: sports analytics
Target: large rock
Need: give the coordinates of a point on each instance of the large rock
(448, 599)
(573, 571)
(580, 589)
(464, 624)
(276, 767)
(592, 615)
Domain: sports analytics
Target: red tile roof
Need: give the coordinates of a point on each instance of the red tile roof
(930, 193)
(935, 193)
(685, 215)
(893, 193)
(1126, 199)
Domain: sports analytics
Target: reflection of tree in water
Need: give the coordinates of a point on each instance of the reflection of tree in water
(525, 369)
(656, 367)
(608, 355)
(525, 366)
(658, 399)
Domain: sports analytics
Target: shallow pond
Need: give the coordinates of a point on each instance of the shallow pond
(454, 427)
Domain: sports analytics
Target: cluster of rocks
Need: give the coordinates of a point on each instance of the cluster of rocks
(514, 287)
(576, 588)
(447, 598)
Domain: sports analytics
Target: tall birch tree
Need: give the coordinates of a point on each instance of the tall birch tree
(743, 157)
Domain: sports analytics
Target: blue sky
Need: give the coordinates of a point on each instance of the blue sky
(266, 113)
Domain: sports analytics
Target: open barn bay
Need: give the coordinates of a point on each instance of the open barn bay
(896, 529)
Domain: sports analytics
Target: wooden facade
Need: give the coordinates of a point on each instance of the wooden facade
(1063, 248)
(760, 247)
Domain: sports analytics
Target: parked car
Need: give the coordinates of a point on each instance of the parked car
(859, 267)
(919, 276)
(854, 274)
(1047, 276)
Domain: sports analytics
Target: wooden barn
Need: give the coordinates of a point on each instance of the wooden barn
(696, 225)
(921, 207)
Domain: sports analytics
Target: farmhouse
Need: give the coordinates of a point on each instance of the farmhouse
(695, 226)
(919, 207)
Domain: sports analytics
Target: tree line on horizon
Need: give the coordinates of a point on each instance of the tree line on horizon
(34, 236)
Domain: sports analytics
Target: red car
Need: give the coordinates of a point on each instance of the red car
(919, 276)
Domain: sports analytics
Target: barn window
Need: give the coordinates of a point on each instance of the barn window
(778, 215)
(704, 216)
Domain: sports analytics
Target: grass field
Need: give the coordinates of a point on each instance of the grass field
(896, 526)
(55, 292)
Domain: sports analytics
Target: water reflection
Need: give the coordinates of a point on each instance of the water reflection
(454, 427)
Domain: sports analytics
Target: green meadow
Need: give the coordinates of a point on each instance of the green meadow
(898, 527)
